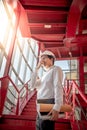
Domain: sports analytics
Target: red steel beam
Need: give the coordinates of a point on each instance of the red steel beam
(74, 17)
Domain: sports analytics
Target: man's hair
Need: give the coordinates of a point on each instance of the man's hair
(51, 57)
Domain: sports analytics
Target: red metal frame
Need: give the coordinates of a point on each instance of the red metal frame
(74, 89)
(21, 101)
(22, 23)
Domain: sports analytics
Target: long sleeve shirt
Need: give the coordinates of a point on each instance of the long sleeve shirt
(49, 85)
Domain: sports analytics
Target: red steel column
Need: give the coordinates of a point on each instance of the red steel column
(4, 85)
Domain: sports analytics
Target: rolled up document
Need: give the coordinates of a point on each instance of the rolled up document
(47, 107)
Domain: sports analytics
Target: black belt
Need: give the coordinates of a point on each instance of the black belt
(47, 101)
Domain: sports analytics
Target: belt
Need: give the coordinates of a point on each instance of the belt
(47, 101)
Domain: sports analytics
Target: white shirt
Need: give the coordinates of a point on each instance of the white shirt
(49, 85)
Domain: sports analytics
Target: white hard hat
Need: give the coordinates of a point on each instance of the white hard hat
(47, 53)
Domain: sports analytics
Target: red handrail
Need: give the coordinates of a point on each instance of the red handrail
(80, 92)
(19, 97)
(24, 94)
(71, 93)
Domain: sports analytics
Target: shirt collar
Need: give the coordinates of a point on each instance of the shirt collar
(47, 69)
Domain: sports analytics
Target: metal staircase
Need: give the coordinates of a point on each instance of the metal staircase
(27, 119)
(20, 113)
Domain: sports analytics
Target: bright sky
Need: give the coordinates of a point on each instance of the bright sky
(62, 64)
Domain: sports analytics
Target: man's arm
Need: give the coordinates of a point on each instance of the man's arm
(58, 93)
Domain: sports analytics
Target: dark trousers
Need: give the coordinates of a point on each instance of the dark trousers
(44, 124)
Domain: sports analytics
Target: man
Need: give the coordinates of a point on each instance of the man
(49, 89)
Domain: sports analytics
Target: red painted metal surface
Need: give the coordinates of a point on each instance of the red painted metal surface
(80, 125)
(66, 20)
(74, 96)
(23, 23)
(27, 119)
(74, 17)
(29, 112)
(60, 26)
(21, 100)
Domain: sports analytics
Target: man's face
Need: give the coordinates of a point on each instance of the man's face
(45, 60)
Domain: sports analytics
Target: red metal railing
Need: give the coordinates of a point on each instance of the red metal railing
(72, 95)
(13, 100)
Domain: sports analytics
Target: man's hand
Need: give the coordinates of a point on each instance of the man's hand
(54, 115)
(40, 63)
